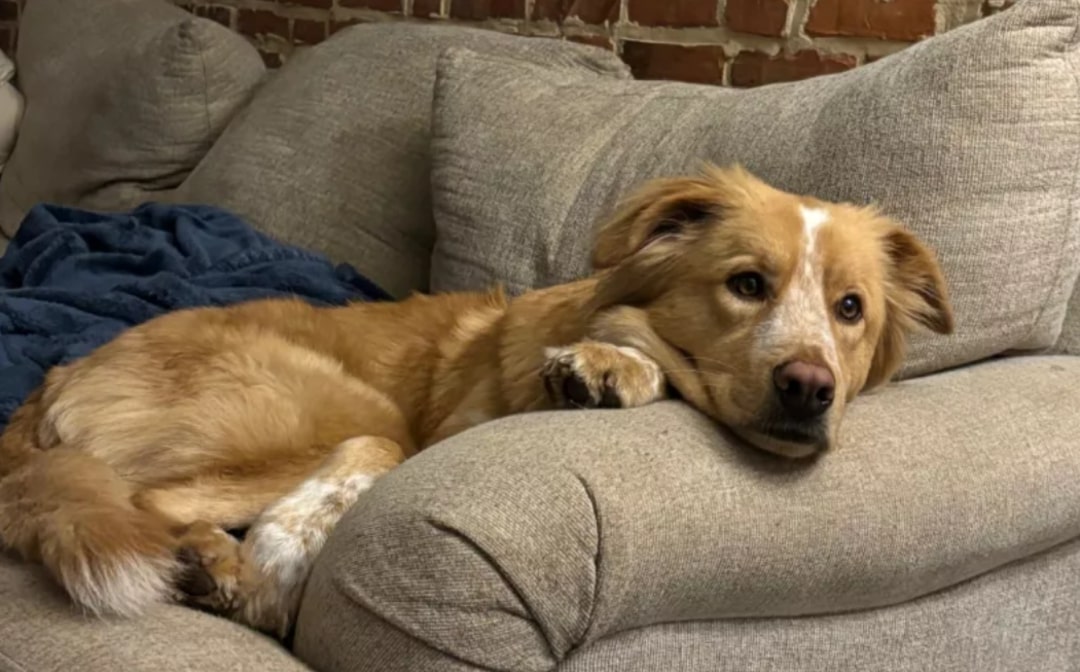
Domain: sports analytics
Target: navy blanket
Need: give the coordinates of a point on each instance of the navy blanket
(72, 280)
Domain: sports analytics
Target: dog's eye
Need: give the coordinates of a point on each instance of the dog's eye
(849, 309)
(747, 285)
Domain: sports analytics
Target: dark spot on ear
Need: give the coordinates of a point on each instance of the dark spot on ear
(666, 228)
(940, 320)
(692, 211)
(681, 214)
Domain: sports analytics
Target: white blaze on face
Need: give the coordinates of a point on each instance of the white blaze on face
(801, 318)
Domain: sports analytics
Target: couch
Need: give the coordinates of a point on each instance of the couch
(944, 534)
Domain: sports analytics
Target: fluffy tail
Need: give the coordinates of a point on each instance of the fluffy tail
(73, 513)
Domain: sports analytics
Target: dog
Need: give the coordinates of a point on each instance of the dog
(765, 310)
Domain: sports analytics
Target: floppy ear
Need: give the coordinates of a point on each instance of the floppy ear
(916, 296)
(662, 210)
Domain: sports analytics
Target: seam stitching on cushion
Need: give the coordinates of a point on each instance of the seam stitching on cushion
(205, 86)
(487, 557)
(587, 632)
(1059, 271)
(371, 611)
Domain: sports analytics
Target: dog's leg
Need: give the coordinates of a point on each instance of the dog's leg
(259, 582)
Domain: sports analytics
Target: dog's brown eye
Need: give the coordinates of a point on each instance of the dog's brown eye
(748, 285)
(849, 309)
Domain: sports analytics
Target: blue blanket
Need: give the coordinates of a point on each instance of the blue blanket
(72, 280)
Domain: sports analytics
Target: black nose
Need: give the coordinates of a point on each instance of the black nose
(805, 390)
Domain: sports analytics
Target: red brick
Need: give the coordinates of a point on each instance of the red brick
(588, 11)
(907, 20)
(602, 41)
(755, 69)
(9, 10)
(261, 22)
(673, 13)
(308, 32)
(758, 17)
(271, 59)
(335, 26)
(380, 5)
(222, 15)
(426, 8)
(699, 64)
(478, 10)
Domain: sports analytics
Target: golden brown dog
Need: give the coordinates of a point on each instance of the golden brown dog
(765, 310)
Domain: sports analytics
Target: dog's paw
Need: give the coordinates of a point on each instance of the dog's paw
(211, 566)
(590, 374)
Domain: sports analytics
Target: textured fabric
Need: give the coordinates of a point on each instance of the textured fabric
(513, 544)
(72, 280)
(1022, 617)
(42, 633)
(969, 138)
(123, 97)
(333, 153)
(1068, 342)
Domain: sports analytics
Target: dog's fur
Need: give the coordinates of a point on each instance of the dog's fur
(122, 472)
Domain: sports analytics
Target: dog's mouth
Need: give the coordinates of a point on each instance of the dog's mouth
(787, 438)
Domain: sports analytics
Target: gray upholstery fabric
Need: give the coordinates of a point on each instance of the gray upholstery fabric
(333, 153)
(516, 543)
(1022, 617)
(1068, 342)
(41, 632)
(969, 138)
(123, 97)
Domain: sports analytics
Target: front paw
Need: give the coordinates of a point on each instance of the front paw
(591, 374)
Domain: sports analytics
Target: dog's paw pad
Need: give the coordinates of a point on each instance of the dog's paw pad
(193, 580)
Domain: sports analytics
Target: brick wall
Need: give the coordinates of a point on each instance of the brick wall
(731, 42)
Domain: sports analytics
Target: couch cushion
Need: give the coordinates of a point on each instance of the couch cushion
(515, 543)
(123, 97)
(971, 138)
(43, 633)
(1068, 343)
(333, 152)
(1021, 617)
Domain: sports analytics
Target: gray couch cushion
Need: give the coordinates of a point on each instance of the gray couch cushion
(511, 545)
(123, 98)
(1068, 342)
(971, 138)
(43, 633)
(333, 152)
(1021, 617)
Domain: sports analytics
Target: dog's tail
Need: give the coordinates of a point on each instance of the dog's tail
(72, 512)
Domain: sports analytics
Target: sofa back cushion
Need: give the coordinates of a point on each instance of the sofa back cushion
(123, 98)
(333, 153)
(971, 138)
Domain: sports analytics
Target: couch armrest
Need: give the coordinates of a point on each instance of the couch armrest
(511, 545)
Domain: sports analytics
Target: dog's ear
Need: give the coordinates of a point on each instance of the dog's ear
(661, 211)
(916, 296)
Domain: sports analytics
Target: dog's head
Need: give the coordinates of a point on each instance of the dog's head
(784, 307)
